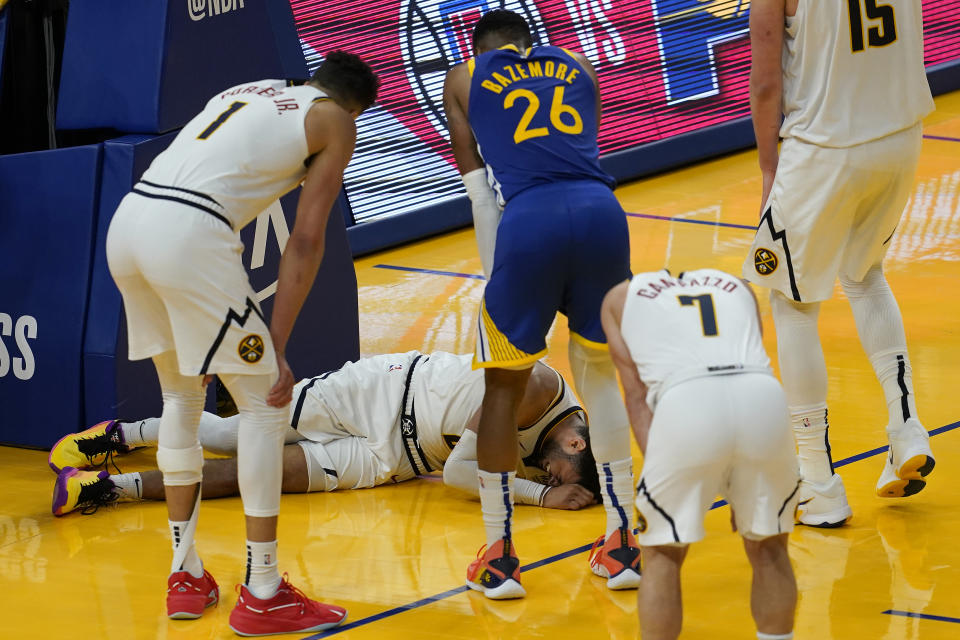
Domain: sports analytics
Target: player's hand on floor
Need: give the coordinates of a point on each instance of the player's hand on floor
(568, 496)
(282, 391)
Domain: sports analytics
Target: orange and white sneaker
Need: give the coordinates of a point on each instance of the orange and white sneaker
(91, 448)
(496, 573)
(617, 559)
(288, 611)
(187, 596)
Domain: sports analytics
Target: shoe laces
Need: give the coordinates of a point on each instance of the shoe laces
(106, 444)
(597, 550)
(96, 494)
(306, 604)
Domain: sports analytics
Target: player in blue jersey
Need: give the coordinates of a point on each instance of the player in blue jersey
(523, 124)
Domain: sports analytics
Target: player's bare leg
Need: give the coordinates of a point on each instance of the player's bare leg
(773, 594)
(659, 599)
(803, 371)
(220, 477)
(497, 572)
(880, 327)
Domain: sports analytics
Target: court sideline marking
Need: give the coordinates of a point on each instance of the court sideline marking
(648, 216)
(583, 548)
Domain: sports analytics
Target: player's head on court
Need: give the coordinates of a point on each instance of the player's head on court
(347, 79)
(498, 28)
(566, 455)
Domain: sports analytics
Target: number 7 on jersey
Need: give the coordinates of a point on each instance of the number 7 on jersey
(708, 318)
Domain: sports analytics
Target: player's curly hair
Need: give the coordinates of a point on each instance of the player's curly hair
(349, 77)
(586, 465)
(507, 24)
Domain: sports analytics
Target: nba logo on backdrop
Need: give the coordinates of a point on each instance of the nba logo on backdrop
(438, 35)
(688, 31)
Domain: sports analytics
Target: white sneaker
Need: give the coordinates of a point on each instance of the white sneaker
(823, 505)
(909, 461)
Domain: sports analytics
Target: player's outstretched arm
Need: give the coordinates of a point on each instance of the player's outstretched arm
(331, 136)
(634, 391)
(483, 201)
(766, 84)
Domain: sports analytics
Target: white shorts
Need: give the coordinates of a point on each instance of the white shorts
(185, 289)
(831, 212)
(350, 419)
(722, 435)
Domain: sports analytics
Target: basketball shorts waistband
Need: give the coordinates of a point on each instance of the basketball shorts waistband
(186, 197)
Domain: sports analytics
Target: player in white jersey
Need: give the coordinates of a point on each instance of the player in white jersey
(381, 420)
(849, 81)
(174, 251)
(711, 420)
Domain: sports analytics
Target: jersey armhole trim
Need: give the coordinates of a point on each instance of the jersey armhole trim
(471, 65)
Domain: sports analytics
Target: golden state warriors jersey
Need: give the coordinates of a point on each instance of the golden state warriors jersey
(245, 149)
(534, 116)
(853, 71)
(701, 323)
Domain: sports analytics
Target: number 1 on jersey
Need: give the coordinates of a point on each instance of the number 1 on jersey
(708, 319)
(232, 109)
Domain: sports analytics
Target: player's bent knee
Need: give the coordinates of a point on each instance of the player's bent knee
(181, 467)
(873, 283)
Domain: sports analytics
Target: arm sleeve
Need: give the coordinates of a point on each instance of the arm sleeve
(486, 215)
(460, 472)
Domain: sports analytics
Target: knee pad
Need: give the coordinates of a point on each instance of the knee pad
(873, 283)
(787, 311)
(181, 467)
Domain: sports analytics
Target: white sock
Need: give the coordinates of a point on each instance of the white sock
(812, 431)
(896, 377)
(262, 577)
(142, 432)
(616, 485)
(772, 636)
(181, 536)
(129, 486)
(496, 503)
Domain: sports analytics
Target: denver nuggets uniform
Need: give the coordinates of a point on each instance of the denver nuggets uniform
(720, 421)
(562, 241)
(392, 417)
(854, 93)
(174, 247)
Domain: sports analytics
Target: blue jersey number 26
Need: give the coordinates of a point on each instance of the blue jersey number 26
(559, 112)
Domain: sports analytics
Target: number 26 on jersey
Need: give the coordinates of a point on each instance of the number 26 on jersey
(563, 117)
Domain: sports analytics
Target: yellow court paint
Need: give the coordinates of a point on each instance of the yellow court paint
(103, 576)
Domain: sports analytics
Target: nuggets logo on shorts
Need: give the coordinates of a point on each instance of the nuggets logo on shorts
(765, 261)
(641, 521)
(251, 349)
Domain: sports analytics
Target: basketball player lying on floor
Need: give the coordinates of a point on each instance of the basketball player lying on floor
(386, 418)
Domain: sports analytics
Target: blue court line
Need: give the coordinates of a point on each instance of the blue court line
(712, 223)
(868, 454)
(923, 616)
(942, 138)
(578, 550)
(648, 216)
(435, 272)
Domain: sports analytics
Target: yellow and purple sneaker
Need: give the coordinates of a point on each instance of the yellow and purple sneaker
(89, 449)
(496, 573)
(83, 490)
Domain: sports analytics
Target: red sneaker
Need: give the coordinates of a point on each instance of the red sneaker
(187, 596)
(288, 611)
(496, 573)
(617, 559)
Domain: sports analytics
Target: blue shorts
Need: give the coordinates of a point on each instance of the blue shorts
(560, 247)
